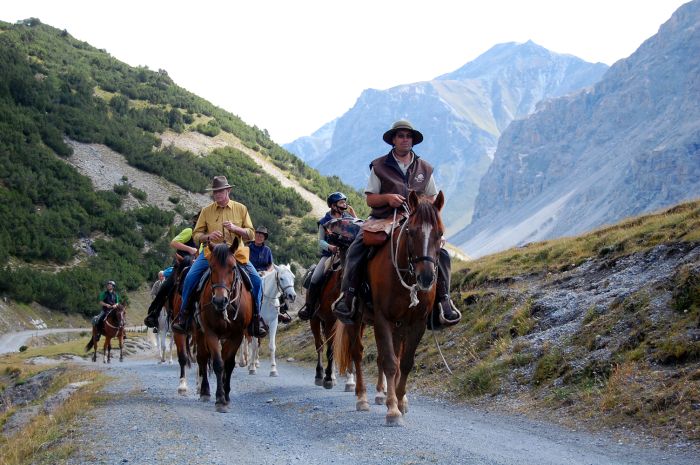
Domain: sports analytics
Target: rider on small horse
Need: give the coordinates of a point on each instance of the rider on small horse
(261, 258)
(337, 201)
(219, 222)
(391, 178)
(108, 301)
(185, 247)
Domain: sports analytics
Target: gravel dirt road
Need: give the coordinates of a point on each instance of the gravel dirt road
(289, 420)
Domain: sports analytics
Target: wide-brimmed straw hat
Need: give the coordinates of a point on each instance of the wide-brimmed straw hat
(402, 124)
(219, 183)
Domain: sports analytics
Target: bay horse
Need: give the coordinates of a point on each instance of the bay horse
(402, 277)
(323, 325)
(277, 284)
(225, 311)
(113, 325)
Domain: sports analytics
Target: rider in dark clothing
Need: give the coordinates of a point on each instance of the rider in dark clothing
(260, 253)
(108, 300)
(392, 176)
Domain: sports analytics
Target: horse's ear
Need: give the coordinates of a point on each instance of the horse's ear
(412, 201)
(210, 246)
(439, 201)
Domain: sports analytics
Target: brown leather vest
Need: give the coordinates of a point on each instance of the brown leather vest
(393, 180)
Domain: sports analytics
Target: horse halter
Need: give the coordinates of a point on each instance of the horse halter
(412, 260)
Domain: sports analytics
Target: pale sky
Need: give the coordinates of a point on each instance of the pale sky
(290, 66)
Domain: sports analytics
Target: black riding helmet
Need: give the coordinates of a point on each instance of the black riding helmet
(335, 197)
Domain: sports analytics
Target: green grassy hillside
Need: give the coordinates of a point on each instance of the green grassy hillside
(53, 86)
(596, 331)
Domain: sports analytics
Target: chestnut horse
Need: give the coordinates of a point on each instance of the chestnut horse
(402, 277)
(225, 311)
(113, 327)
(324, 320)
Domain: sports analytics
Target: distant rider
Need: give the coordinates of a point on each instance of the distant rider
(108, 301)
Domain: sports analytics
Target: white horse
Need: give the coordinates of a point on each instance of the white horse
(277, 283)
(162, 336)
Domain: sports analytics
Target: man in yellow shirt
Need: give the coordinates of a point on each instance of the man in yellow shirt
(221, 221)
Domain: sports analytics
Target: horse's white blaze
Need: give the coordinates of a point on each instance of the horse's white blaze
(427, 229)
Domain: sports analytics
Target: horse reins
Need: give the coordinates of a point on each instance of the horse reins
(230, 291)
(413, 289)
(411, 260)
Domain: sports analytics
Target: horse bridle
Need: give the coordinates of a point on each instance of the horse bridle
(411, 260)
(229, 292)
(280, 288)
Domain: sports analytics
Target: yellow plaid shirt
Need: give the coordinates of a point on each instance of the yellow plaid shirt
(212, 219)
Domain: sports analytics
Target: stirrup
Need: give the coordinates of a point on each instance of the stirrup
(443, 319)
(303, 313)
(341, 310)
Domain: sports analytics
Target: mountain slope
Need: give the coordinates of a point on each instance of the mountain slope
(629, 145)
(461, 115)
(59, 95)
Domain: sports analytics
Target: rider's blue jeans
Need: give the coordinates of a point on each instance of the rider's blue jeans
(199, 267)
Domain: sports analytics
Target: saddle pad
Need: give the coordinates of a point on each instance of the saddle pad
(375, 231)
(341, 232)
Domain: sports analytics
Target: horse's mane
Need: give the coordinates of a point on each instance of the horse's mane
(425, 212)
(220, 254)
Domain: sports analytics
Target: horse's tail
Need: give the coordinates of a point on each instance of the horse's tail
(90, 344)
(342, 346)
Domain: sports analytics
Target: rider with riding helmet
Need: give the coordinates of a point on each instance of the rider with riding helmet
(338, 203)
(185, 247)
(109, 299)
(221, 221)
(391, 178)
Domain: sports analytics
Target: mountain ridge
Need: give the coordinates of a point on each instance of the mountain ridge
(461, 119)
(626, 146)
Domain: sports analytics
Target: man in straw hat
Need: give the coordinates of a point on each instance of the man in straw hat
(391, 178)
(221, 221)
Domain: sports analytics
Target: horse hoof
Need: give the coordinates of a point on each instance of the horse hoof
(222, 408)
(362, 406)
(328, 384)
(241, 364)
(318, 381)
(349, 387)
(395, 420)
(380, 399)
(274, 374)
(204, 398)
(251, 372)
(182, 391)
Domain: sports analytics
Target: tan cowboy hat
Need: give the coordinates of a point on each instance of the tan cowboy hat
(219, 183)
(402, 124)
